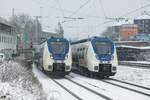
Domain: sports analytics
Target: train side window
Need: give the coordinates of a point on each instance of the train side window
(83, 49)
(80, 49)
(82, 54)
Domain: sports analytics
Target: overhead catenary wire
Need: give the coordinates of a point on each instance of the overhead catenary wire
(128, 13)
(67, 11)
(102, 7)
(83, 5)
(59, 5)
(135, 10)
(103, 10)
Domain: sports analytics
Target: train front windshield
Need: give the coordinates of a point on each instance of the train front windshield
(103, 47)
(57, 47)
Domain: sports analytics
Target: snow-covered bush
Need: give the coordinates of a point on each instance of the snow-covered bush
(17, 75)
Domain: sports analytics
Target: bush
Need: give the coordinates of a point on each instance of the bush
(22, 77)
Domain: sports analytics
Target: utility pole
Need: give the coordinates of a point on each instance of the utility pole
(13, 12)
(36, 28)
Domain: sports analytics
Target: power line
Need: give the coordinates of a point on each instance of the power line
(102, 7)
(128, 13)
(67, 11)
(80, 8)
(133, 11)
(60, 8)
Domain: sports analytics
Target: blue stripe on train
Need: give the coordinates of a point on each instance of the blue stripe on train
(59, 56)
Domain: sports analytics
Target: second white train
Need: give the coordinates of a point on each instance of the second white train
(95, 56)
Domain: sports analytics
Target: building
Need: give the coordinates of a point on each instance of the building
(141, 37)
(143, 23)
(122, 30)
(8, 38)
(128, 30)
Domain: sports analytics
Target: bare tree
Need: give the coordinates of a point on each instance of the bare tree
(26, 29)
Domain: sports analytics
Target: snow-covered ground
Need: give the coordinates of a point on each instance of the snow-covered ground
(18, 83)
(114, 92)
(135, 75)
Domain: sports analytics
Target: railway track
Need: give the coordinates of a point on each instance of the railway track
(136, 65)
(97, 93)
(88, 87)
(73, 94)
(82, 86)
(129, 83)
(121, 86)
(125, 87)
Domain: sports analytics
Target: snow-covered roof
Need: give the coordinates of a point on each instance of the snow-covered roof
(137, 62)
(128, 41)
(134, 47)
(122, 22)
(143, 16)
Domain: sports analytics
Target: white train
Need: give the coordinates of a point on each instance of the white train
(54, 56)
(95, 56)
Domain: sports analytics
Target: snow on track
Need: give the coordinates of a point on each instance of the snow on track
(51, 89)
(126, 87)
(114, 92)
(133, 75)
(80, 91)
(54, 91)
(129, 83)
(77, 85)
(130, 86)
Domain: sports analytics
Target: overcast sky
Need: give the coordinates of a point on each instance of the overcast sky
(93, 13)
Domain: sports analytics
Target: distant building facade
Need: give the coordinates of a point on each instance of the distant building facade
(122, 32)
(141, 37)
(128, 30)
(143, 23)
(8, 38)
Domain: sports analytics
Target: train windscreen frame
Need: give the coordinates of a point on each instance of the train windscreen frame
(103, 47)
(57, 47)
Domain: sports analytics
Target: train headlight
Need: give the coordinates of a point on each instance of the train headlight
(112, 57)
(67, 67)
(51, 56)
(114, 68)
(50, 67)
(96, 56)
(66, 57)
(96, 68)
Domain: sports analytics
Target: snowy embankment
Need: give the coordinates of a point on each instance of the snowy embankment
(134, 75)
(18, 83)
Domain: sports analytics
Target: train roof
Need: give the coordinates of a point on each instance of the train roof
(54, 38)
(89, 39)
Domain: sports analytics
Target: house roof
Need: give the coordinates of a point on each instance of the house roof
(144, 15)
